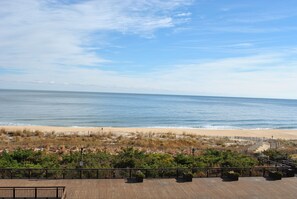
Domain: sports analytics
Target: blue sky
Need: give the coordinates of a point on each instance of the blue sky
(195, 47)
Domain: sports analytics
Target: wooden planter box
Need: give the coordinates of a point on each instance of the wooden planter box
(231, 176)
(275, 175)
(187, 178)
(139, 179)
(135, 180)
(289, 173)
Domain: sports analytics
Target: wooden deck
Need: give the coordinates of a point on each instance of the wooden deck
(249, 187)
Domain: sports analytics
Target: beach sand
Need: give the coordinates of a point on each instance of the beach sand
(267, 133)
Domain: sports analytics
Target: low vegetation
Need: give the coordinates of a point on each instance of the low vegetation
(127, 157)
(167, 142)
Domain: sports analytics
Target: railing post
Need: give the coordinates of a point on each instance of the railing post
(46, 173)
(97, 173)
(57, 192)
(113, 173)
(13, 192)
(35, 192)
(80, 174)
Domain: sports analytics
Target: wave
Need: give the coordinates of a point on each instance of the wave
(206, 127)
(213, 127)
(15, 124)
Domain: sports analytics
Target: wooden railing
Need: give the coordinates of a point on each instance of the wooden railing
(52, 192)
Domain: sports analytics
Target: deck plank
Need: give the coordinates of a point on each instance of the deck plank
(210, 188)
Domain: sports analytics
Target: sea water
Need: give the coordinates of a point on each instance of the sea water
(140, 110)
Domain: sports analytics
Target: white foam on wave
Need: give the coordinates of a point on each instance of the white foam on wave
(197, 127)
(208, 127)
(169, 127)
(15, 124)
(212, 127)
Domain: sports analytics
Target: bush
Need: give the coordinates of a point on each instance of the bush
(138, 177)
(139, 174)
(188, 174)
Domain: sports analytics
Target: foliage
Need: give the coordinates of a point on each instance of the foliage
(215, 158)
(276, 154)
(127, 157)
(188, 174)
(139, 174)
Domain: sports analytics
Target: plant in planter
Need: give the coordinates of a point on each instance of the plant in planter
(275, 175)
(139, 176)
(188, 176)
(231, 175)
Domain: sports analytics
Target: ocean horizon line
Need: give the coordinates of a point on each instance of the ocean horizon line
(150, 94)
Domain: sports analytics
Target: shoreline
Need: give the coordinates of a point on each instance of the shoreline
(288, 134)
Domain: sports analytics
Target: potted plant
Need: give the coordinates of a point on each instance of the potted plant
(275, 175)
(139, 176)
(232, 176)
(187, 176)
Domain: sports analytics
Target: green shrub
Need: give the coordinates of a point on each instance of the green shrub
(139, 174)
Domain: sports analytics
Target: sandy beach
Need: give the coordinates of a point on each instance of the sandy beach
(267, 133)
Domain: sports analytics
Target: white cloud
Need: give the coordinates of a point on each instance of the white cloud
(49, 34)
(184, 14)
(270, 75)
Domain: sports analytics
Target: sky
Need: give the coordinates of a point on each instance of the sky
(192, 47)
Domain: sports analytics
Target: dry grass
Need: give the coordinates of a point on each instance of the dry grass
(64, 142)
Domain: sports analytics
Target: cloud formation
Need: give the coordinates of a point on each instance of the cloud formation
(258, 76)
(48, 34)
(57, 45)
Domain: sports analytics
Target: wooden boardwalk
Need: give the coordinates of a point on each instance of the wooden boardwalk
(248, 187)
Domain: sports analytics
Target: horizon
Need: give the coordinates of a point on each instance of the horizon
(159, 94)
(177, 47)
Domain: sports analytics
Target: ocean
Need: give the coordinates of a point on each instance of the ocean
(87, 109)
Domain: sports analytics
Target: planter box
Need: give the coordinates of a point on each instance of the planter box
(187, 178)
(231, 176)
(139, 179)
(275, 175)
(135, 180)
(289, 173)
